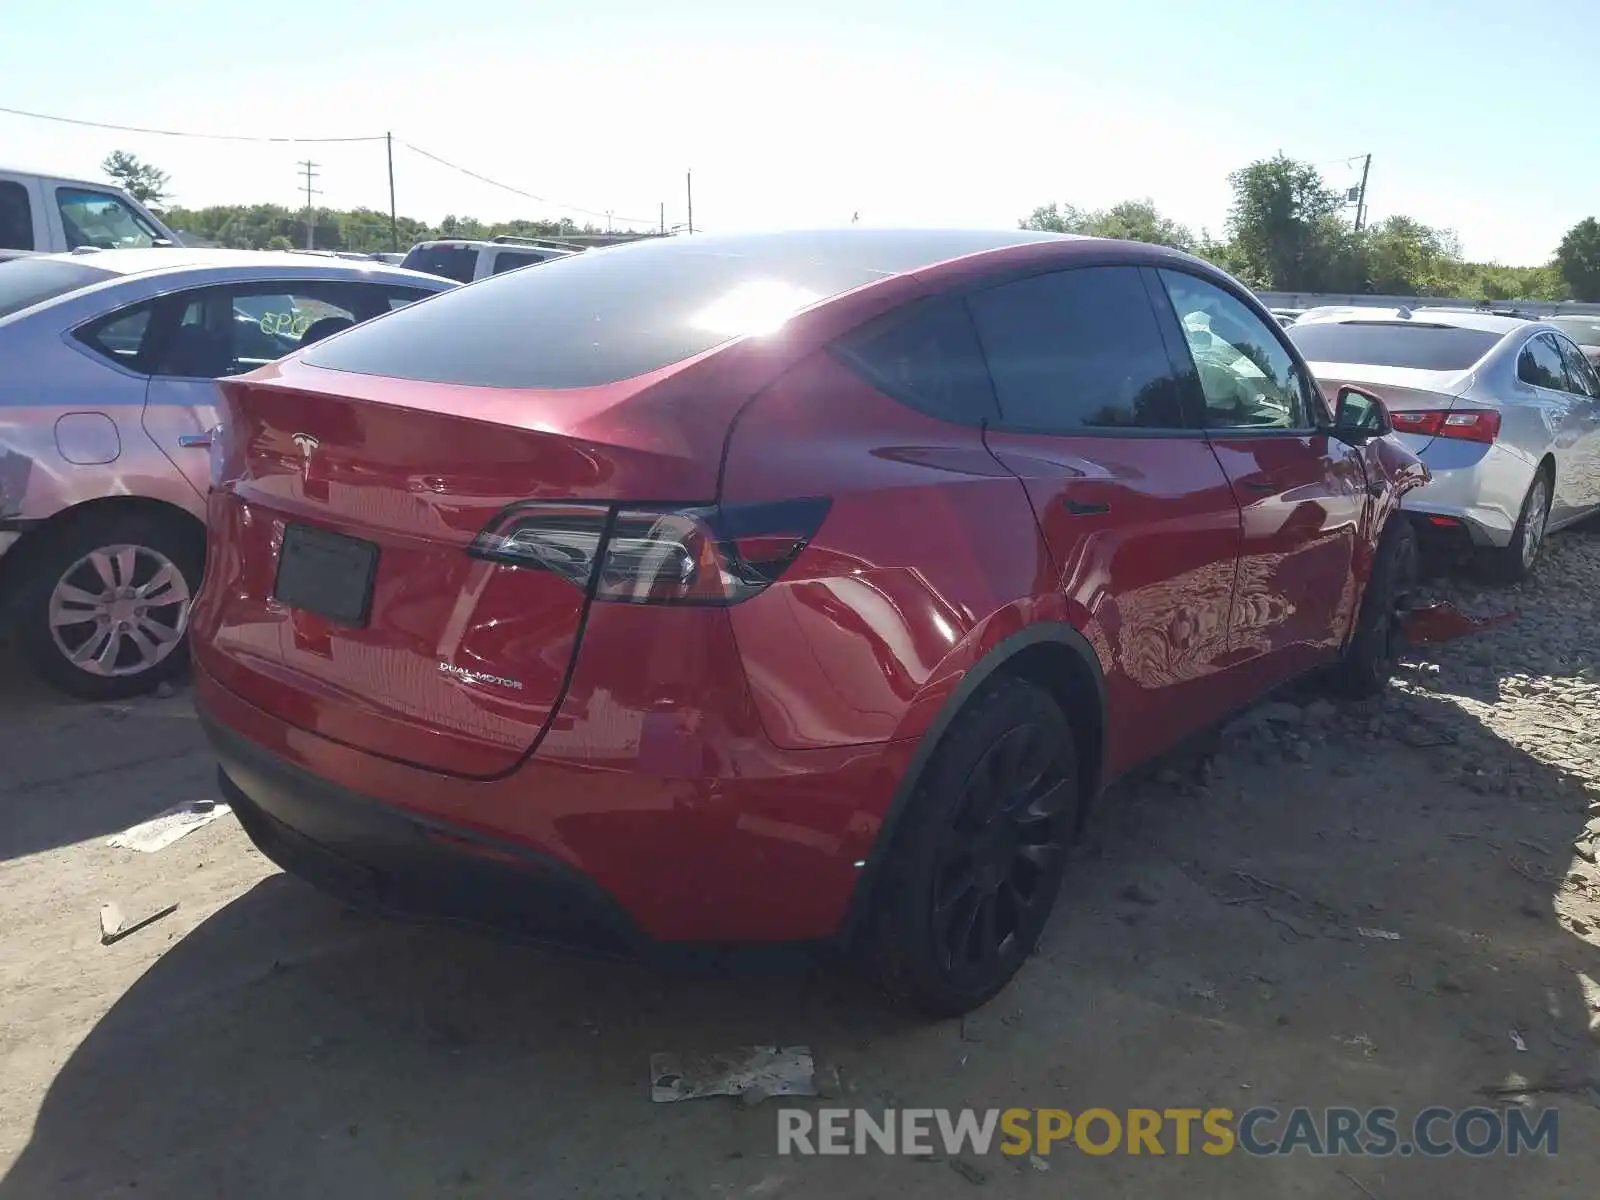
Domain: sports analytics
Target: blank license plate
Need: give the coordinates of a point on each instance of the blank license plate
(327, 574)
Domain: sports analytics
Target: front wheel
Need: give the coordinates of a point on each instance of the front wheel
(1379, 638)
(980, 854)
(105, 604)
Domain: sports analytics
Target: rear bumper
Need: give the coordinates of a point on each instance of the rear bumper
(371, 854)
(680, 845)
(1480, 486)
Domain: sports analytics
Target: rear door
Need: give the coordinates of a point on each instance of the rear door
(1541, 366)
(1584, 386)
(1302, 493)
(1136, 511)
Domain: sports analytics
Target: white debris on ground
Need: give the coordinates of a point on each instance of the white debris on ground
(749, 1072)
(162, 830)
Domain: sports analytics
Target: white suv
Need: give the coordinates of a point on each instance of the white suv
(465, 259)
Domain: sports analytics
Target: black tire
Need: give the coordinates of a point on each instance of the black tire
(1514, 562)
(1379, 639)
(980, 852)
(64, 557)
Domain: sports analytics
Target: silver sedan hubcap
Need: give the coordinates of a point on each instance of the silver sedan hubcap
(119, 610)
(1533, 535)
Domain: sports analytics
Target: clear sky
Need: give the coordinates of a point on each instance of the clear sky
(1478, 113)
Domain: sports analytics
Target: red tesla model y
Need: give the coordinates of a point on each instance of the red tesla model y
(782, 587)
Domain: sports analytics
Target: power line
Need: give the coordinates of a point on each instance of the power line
(240, 137)
(516, 191)
(214, 137)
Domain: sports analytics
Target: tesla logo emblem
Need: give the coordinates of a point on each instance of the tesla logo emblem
(305, 443)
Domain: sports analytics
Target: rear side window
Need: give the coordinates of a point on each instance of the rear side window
(452, 262)
(123, 337)
(1077, 351)
(16, 217)
(1540, 364)
(510, 260)
(1393, 344)
(926, 357)
(25, 282)
(594, 318)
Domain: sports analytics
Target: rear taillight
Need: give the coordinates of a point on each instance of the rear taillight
(1467, 425)
(719, 554)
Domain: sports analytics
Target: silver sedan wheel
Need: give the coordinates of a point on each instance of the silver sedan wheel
(1538, 517)
(119, 610)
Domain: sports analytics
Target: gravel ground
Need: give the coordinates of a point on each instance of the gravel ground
(1208, 950)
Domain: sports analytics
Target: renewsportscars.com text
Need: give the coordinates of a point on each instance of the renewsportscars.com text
(1380, 1132)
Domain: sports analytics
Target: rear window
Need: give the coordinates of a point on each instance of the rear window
(452, 262)
(592, 318)
(1583, 330)
(1393, 344)
(25, 282)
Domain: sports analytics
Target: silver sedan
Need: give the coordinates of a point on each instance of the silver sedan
(1505, 412)
(107, 396)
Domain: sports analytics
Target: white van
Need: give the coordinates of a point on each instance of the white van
(44, 214)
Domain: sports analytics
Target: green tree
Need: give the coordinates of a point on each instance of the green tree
(1578, 259)
(1131, 220)
(1283, 224)
(145, 182)
(1404, 257)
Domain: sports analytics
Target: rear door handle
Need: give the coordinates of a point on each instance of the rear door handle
(1079, 509)
(191, 441)
(1260, 485)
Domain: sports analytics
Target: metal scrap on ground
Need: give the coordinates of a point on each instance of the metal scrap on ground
(743, 1071)
(113, 927)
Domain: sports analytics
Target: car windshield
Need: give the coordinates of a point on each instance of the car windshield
(25, 282)
(1393, 344)
(99, 219)
(1583, 330)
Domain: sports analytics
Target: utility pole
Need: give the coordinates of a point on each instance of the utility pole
(663, 218)
(394, 231)
(1361, 199)
(688, 187)
(608, 220)
(309, 170)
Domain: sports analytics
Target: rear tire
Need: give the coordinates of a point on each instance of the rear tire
(980, 853)
(103, 608)
(1379, 639)
(1514, 562)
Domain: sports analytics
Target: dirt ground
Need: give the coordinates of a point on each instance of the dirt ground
(262, 1041)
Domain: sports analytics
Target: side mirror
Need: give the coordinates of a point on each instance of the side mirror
(1359, 416)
